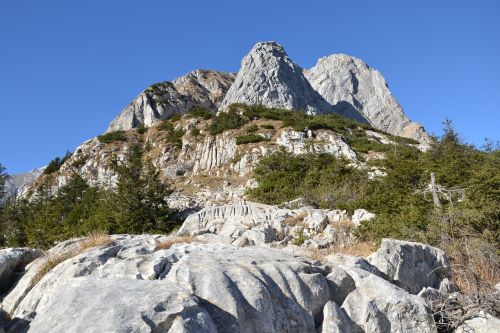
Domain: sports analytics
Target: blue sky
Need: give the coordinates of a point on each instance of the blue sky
(67, 68)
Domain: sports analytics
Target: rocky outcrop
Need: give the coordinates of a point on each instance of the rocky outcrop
(12, 262)
(352, 87)
(324, 142)
(485, 323)
(268, 77)
(139, 284)
(162, 100)
(411, 266)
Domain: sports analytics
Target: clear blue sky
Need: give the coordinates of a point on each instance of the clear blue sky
(68, 67)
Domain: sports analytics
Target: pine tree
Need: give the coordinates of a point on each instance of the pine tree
(3, 179)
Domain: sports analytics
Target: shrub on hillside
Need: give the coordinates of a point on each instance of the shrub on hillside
(200, 112)
(250, 138)
(112, 137)
(226, 121)
(56, 164)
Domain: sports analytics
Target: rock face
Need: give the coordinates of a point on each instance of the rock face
(12, 261)
(137, 284)
(267, 76)
(162, 100)
(411, 266)
(16, 184)
(352, 87)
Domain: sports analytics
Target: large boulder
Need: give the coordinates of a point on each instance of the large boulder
(132, 280)
(89, 304)
(376, 305)
(13, 261)
(411, 266)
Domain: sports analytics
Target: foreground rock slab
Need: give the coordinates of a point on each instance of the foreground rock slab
(14, 260)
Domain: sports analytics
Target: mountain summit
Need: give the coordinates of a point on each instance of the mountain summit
(336, 84)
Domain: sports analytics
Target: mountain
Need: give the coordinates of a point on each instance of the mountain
(268, 77)
(18, 183)
(350, 85)
(204, 88)
(337, 84)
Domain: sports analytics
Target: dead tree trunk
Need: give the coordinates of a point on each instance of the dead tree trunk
(434, 191)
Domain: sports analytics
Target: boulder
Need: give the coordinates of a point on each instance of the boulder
(335, 320)
(90, 304)
(361, 215)
(376, 305)
(12, 261)
(411, 266)
(485, 323)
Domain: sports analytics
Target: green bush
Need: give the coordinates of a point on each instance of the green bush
(56, 164)
(200, 112)
(142, 129)
(249, 138)
(195, 132)
(226, 121)
(175, 117)
(267, 126)
(112, 137)
(252, 129)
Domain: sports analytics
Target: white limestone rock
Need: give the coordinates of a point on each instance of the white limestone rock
(268, 77)
(89, 304)
(361, 215)
(411, 266)
(379, 306)
(353, 88)
(325, 142)
(335, 320)
(12, 262)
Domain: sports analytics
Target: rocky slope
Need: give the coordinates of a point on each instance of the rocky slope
(148, 283)
(209, 169)
(337, 84)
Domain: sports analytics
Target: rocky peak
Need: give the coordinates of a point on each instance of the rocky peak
(162, 100)
(267, 76)
(352, 88)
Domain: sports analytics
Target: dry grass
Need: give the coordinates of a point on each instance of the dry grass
(165, 245)
(94, 239)
(361, 249)
(295, 220)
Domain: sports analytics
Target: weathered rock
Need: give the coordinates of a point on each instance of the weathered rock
(268, 77)
(411, 266)
(335, 320)
(361, 215)
(12, 261)
(379, 306)
(341, 284)
(132, 283)
(89, 304)
(484, 323)
(325, 142)
(354, 89)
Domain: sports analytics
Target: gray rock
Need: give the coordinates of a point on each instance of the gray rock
(376, 305)
(268, 77)
(12, 262)
(361, 215)
(17, 184)
(484, 323)
(411, 266)
(335, 320)
(341, 284)
(132, 282)
(353, 88)
(89, 304)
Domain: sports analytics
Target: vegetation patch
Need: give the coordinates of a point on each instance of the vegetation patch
(56, 164)
(252, 128)
(226, 121)
(167, 244)
(267, 126)
(112, 137)
(173, 136)
(200, 112)
(250, 138)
